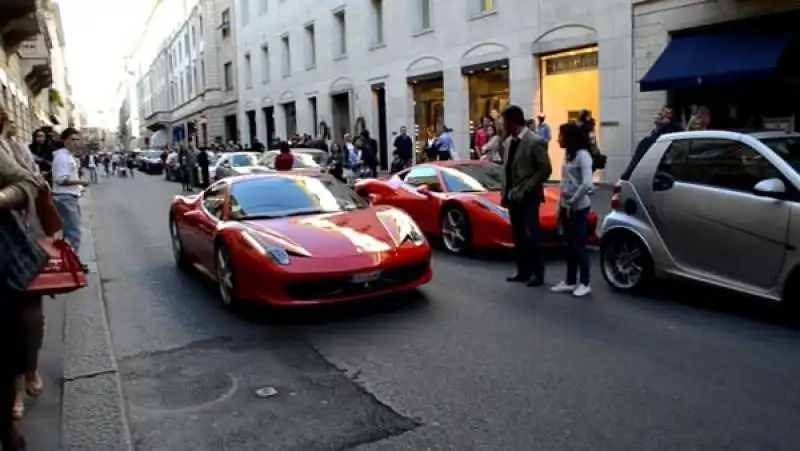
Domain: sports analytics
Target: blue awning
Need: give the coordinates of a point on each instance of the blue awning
(715, 58)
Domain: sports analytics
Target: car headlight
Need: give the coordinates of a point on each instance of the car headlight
(410, 231)
(491, 206)
(278, 255)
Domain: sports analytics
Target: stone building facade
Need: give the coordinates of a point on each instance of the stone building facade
(181, 84)
(425, 64)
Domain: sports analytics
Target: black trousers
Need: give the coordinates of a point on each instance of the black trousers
(528, 243)
(20, 339)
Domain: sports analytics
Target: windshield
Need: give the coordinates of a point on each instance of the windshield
(154, 154)
(276, 197)
(787, 148)
(473, 177)
(242, 159)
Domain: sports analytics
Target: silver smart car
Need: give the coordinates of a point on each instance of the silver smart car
(717, 207)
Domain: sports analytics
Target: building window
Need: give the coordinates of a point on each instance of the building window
(200, 24)
(203, 72)
(485, 6)
(425, 22)
(228, 74)
(194, 36)
(244, 8)
(189, 84)
(377, 22)
(225, 26)
(266, 67)
(287, 56)
(311, 47)
(263, 7)
(186, 45)
(194, 76)
(248, 71)
(340, 40)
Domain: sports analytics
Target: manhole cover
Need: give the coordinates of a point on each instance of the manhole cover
(174, 388)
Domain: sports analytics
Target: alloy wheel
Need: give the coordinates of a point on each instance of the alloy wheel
(455, 230)
(624, 263)
(177, 246)
(225, 277)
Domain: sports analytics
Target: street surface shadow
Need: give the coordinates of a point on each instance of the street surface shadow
(719, 301)
(245, 395)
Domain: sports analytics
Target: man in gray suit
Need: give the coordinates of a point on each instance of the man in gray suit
(527, 168)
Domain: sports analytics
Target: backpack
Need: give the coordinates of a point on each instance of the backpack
(599, 160)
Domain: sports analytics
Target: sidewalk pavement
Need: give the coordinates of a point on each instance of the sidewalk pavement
(42, 420)
(93, 415)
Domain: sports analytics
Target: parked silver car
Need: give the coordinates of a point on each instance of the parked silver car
(304, 159)
(716, 207)
(236, 163)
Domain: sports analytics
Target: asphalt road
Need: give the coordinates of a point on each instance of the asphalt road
(473, 363)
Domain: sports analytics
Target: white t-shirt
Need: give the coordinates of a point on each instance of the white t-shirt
(65, 167)
(92, 161)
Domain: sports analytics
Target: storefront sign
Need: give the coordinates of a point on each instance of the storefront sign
(571, 63)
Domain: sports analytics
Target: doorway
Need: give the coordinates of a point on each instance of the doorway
(290, 116)
(312, 108)
(251, 126)
(428, 94)
(570, 83)
(269, 119)
(231, 129)
(379, 100)
(340, 109)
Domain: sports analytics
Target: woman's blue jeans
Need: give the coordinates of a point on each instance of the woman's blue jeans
(576, 229)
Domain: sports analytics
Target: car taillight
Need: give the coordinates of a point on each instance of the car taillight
(616, 201)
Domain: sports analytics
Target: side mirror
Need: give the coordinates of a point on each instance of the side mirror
(372, 198)
(425, 190)
(770, 187)
(226, 165)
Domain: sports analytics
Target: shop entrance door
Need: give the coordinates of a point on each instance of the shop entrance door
(251, 126)
(570, 83)
(340, 106)
(269, 119)
(379, 98)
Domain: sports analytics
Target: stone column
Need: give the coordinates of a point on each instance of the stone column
(456, 109)
(524, 84)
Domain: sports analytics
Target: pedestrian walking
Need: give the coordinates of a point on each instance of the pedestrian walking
(445, 146)
(204, 162)
(130, 162)
(527, 168)
(67, 186)
(574, 206)
(543, 128)
(403, 150)
(93, 168)
(185, 171)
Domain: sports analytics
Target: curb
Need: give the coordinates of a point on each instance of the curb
(93, 413)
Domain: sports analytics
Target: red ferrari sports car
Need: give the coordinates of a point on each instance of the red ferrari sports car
(291, 239)
(459, 202)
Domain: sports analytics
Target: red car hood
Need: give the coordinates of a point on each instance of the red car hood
(343, 234)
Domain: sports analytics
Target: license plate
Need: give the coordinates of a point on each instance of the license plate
(366, 277)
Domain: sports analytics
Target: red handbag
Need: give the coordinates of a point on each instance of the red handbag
(62, 274)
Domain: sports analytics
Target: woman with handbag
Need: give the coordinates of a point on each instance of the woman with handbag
(48, 223)
(18, 188)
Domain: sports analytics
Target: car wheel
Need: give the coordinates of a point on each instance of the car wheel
(455, 229)
(177, 245)
(625, 261)
(225, 277)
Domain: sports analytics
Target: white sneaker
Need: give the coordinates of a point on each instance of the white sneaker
(563, 287)
(582, 290)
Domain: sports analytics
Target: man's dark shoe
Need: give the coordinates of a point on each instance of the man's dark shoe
(85, 268)
(535, 281)
(517, 277)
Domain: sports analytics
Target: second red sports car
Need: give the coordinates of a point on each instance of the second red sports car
(291, 239)
(459, 202)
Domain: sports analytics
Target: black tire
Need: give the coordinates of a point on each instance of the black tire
(612, 245)
(177, 246)
(458, 239)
